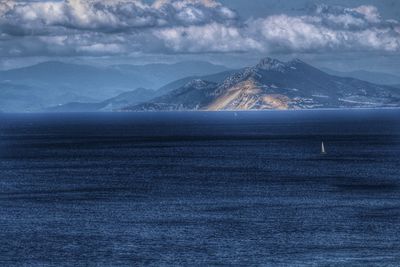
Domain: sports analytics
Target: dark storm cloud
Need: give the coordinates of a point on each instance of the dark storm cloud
(115, 27)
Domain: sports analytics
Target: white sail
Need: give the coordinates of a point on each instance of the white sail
(323, 148)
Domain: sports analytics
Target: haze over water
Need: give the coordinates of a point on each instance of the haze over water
(203, 188)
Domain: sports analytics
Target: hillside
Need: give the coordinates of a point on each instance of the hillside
(76, 86)
(273, 84)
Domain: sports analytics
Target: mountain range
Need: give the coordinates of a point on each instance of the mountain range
(134, 97)
(47, 84)
(273, 84)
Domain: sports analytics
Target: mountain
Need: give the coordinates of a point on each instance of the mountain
(217, 78)
(369, 76)
(122, 100)
(195, 95)
(134, 97)
(16, 96)
(87, 81)
(52, 83)
(161, 74)
(19, 97)
(273, 84)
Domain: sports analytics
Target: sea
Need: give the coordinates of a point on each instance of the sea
(200, 188)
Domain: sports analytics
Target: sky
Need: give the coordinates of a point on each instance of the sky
(338, 34)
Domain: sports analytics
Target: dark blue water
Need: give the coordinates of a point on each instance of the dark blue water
(197, 189)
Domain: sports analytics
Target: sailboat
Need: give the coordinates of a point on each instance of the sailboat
(323, 148)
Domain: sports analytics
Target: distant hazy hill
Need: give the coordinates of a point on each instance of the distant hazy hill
(122, 100)
(272, 84)
(54, 83)
(369, 76)
(135, 97)
(160, 74)
(87, 81)
(24, 98)
(14, 97)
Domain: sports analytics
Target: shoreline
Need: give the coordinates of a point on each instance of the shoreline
(206, 111)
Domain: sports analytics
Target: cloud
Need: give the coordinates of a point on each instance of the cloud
(214, 37)
(111, 15)
(326, 32)
(95, 27)
(325, 29)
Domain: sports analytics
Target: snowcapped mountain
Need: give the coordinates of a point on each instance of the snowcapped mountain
(272, 84)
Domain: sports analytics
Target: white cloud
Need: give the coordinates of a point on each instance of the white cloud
(102, 48)
(310, 33)
(212, 37)
(370, 13)
(96, 27)
(328, 28)
(112, 15)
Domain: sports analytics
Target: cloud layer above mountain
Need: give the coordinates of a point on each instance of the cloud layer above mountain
(94, 27)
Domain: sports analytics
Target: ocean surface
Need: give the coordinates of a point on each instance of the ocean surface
(200, 189)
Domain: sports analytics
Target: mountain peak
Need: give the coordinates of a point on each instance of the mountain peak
(270, 64)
